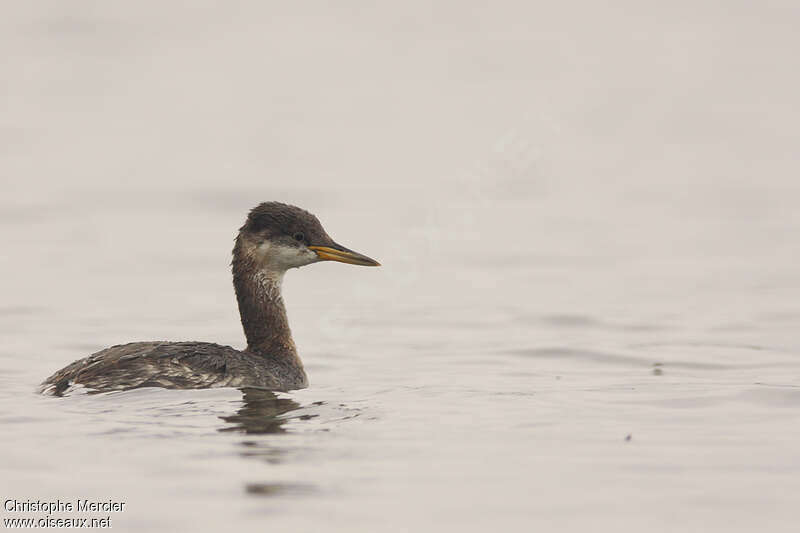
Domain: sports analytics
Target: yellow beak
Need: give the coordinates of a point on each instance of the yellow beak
(343, 255)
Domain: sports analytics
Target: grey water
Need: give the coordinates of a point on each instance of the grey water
(587, 313)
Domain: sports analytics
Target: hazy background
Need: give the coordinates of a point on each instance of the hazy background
(587, 217)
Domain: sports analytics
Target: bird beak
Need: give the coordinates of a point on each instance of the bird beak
(339, 253)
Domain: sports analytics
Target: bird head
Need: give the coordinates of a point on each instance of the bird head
(279, 236)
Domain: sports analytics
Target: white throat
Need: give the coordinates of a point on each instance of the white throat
(279, 258)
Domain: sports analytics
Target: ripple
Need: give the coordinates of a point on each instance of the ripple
(772, 396)
(277, 489)
(575, 353)
(581, 321)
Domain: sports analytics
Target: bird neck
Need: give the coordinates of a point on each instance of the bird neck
(262, 311)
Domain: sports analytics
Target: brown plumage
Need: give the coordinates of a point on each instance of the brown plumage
(274, 238)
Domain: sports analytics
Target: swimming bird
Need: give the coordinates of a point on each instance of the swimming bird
(274, 238)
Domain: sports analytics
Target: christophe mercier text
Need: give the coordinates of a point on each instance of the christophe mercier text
(63, 506)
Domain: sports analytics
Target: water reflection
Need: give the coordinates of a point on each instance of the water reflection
(277, 489)
(261, 413)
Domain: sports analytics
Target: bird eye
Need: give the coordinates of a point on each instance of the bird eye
(299, 236)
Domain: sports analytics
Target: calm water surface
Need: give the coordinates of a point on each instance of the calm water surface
(587, 315)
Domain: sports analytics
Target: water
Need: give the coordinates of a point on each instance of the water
(587, 313)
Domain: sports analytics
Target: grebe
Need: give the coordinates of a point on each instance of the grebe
(274, 238)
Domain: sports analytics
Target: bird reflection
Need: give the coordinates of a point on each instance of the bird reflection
(261, 413)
